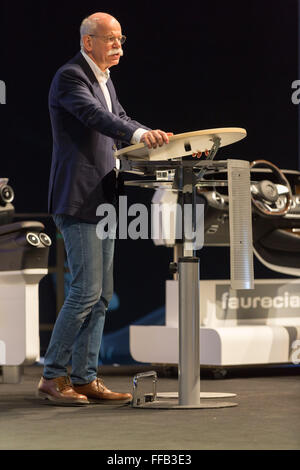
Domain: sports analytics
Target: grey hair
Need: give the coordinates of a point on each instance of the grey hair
(88, 26)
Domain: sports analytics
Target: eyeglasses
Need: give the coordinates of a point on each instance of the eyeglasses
(110, 39)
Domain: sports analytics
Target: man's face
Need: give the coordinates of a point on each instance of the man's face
(105, 48)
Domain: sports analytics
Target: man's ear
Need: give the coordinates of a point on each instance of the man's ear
(87, 42)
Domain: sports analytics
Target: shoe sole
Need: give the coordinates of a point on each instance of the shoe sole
(95, 401)
(58, 401)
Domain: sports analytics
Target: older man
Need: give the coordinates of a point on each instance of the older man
(88, 123)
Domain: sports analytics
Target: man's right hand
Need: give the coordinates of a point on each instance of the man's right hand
(155, 138)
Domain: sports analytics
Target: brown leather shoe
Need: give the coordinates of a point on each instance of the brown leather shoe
(97, 391)
(60, 391)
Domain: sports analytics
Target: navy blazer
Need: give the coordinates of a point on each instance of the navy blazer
(85, 135)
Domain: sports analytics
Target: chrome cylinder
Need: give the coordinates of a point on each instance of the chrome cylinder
(189, 328)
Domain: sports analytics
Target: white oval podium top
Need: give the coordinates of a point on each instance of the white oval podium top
(182, 145)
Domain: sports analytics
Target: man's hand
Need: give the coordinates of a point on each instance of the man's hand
(154, 138)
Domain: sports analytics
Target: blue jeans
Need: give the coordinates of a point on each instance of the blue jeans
(79, 326)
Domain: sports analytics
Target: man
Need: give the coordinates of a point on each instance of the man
(88, 123)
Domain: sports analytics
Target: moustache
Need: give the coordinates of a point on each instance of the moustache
(119, 50)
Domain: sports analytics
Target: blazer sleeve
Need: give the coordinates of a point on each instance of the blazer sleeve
(74, 95)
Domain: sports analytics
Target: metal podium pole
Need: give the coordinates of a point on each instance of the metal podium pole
(188, 289)
(189, 327)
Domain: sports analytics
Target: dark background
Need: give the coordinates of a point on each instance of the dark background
(187, 66)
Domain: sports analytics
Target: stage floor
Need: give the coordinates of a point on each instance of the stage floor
(267, 416)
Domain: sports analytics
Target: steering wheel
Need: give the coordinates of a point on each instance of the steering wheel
(264, 194)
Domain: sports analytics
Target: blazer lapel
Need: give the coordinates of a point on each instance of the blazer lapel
(91, 76)
(99, 93)
(112, 93)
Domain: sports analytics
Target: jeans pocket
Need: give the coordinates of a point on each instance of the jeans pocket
(63, 221)
(57, 220)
